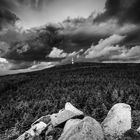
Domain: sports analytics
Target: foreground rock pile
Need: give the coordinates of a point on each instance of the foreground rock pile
(77, 126)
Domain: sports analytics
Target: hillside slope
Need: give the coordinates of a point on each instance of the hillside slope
(93, 88)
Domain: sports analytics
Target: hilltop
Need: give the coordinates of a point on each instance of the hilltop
(92, 87)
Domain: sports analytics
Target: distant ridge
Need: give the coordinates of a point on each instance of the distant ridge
(76, 65)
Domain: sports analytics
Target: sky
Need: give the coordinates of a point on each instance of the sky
(33, 13)
(43, 33)
(57, 11)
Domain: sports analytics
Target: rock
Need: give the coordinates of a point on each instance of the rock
(62, 117)
(49, 138)
(66, 114)
(46, 119)
(70, 123)
(48, 122)
(117, 122)
(22, 137)
(37, 129)
(86, 129)
(33, 132)
(70, 107)
(138, 130)
(48, 131)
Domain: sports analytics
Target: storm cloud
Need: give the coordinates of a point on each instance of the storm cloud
(6, 18)
(36, 46)
(109, 50)
(125, 11)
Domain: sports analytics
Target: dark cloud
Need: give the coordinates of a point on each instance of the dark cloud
(71, 36)
(11, 35)
(36, 47)
(79, 41)
(37, 44)
(132, 38)
(6, 18)
(125, 11)
(15, 65)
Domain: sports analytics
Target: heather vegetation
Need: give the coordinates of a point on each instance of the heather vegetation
(92, 88)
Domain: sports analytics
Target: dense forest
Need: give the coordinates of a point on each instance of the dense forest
(91, 87)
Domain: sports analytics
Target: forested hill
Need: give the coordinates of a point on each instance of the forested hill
(91, 87)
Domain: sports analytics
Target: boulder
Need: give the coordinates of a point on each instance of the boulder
(86, 129)
(138, 130)
(48, 122)
(117, 122)
(46, 119)
(70, 107)
(70, 123)
(33, 132)
(61, 117)
(66, 114)
(21, 137)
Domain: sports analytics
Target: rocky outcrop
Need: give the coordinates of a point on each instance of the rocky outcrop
(117, 122)
(76, 126)
(48, 122)
(86, 129)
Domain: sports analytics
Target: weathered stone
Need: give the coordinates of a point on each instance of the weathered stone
(138, 130)
(21, 137)
(70, 107)
(86, 129)
(33, 132)
(117, 122)
(53, 120)
(46, 119)
(49, 130)
(66, 114)
(70, 123)
(61, 117)
(49, 138)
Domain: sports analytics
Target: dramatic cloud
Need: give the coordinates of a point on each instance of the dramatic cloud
(2, 60)
(122, 10)
(6, 18)
(4, 64)
(57, 53)
(36, 46)
(4, 48)
(69, 37)
(104, 48)
(132, 54)
(107, 50)
(82, 32)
